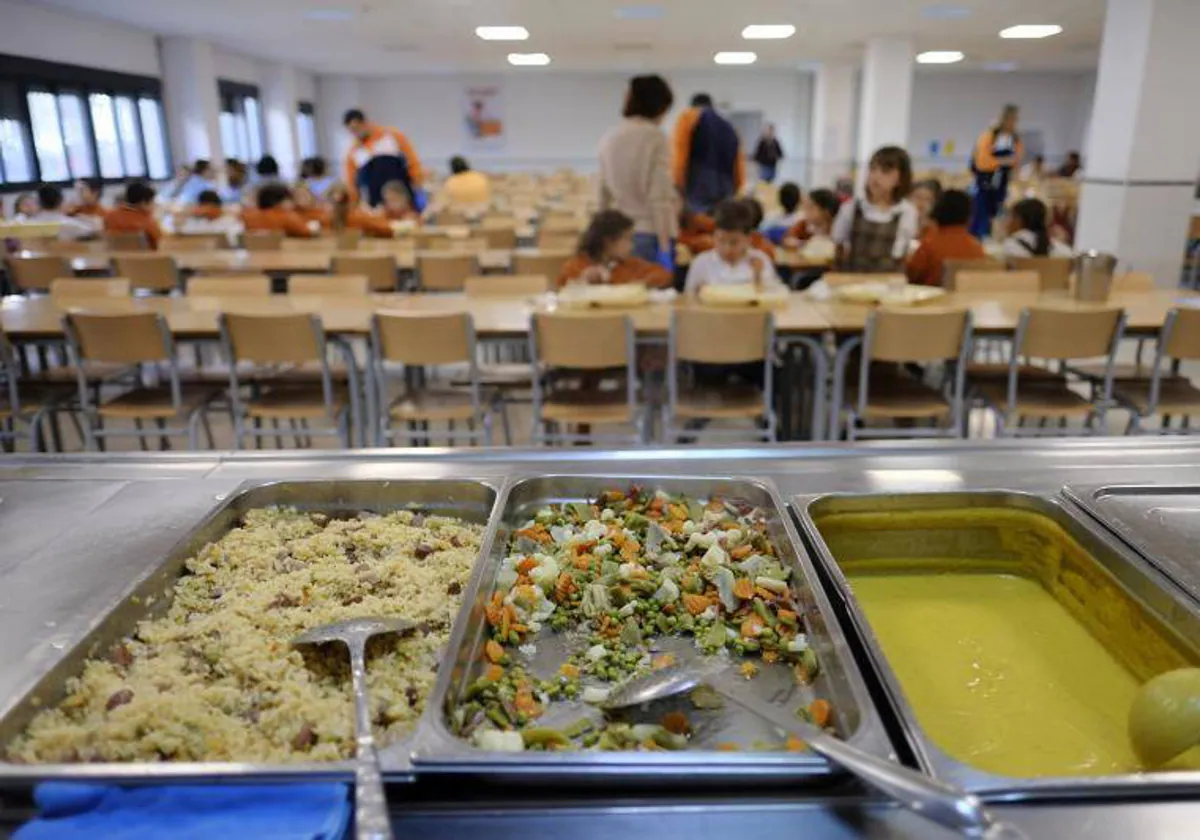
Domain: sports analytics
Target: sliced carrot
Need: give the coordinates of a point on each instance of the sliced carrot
(525, 703)
(569, 671)
(493, 673)
(583, 561)
(794, 744)
(743, 588)
(630, 549)
(526, 566)
(726, 746)
(676, 722)
(695, 604)
(741, 552)
(752, 627)
(563, 587)
(821, 712)
(787, 614)
(493, 650)
(664, 660)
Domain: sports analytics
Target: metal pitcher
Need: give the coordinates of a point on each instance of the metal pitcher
(1094, 275)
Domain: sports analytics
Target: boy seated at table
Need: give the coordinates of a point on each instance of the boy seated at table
(820, 208)
(758, 240)
(733, 259)
(275, 212)
(50, 209)
(135, 214)
(606, 256)
(308, 207)
(88, 204)
(946, 239)
(208, 215)
(397, 204)
(343, 216)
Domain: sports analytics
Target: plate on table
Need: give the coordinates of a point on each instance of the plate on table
(872, 293)
(622, 296)
(743, 295)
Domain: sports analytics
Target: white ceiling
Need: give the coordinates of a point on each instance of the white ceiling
(396, 36)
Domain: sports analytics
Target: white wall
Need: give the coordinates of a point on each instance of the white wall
(556, 119)
(38, 32)
(306, 86)
(958, 105)
(235, 67)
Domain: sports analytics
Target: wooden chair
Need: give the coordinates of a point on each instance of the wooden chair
(546, 263)
(127, 241)
(317, 244)
(419, 342)
(506, 285)
(582, 347)
(148, 272)
(1064, 335)
(229, 285)
(263, 240)
(348, 239)
(885, 391)
(431, 240)
(26, 406)
(951, 268)
(1134, 281)
(35, 274)
(444, 272)
(143, 342)
(558, 241)
(499, 237)
(1055, 272)
(700, 336)
(272, 345)
(71, 247)
(190, 243)
(978, 282)
(1164, 392)
(74, 291)
(1131, 282)
(340, 285)
(379, 269)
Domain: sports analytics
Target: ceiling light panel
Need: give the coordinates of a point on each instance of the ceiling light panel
(1031, 30)
(502, 33)
(939, 57)
(735, 58)
(768, 31)
(528, 59)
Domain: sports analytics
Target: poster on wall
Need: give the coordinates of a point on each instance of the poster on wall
(483, 116)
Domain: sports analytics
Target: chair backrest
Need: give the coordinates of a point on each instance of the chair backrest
(263, 240)
(273, 339)
(125, 338)
(915, 335)
(317, 243)
(837, 279)
(558, 241)
(431, 240)
(998, 281)
(71, 246)
(83, 289)
(1181, 334)
(951, 268)
(152, 272)
(342, 285)
(230, 285)
(130, 240)
(191, 243)
(506, 285)
(444, 272)
(348, 239)
(720, 336)
(35, 274)
(379, 269)
(419, 339)
(582, 340)
(500, 238)
(1134, 281)
(1064, 334)
(546, 263)
(1055, 272)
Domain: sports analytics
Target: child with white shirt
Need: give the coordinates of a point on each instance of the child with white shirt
(732, 260)
(874, 230)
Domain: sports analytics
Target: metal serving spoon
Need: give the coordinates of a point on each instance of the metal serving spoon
(941, 803)
(370, 804)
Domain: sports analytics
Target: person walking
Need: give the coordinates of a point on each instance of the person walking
(767, 154)
(635, 174)
(379, 155)
(997, 155)
(708, 165)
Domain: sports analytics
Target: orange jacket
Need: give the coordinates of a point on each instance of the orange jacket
(126, 219)
(315, 214)
(926, 264)
(985, 161)
(381, 141)
(632, 270)
(371, 224)
(760, 242)
(684, 129)
(695, 231)
(277, 218)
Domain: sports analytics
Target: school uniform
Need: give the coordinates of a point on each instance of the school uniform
(289, 222)
(189, 191)
(315, 214)
(371, 224)
(1023, 243)
(709, 269)
(618, 272)
(70, 228)
(386, 155)
(128, 219)
(926, 265)
(88, 211)
(874, 239)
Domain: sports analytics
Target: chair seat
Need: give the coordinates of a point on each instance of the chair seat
(155, 403)
(1121, 372)
(65, 374)
(1175, 396)
(296, 401)
(977, 371)
(735, 401)
(1045, 399)
(892, 397)
(587, 407)
(433, 405)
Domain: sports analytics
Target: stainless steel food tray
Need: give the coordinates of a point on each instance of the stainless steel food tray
(1160, 522)
(1138, 580)
(150, 597)
(438, 750)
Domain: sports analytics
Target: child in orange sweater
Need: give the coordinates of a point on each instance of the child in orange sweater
(308, 207)
(136, 215)
(276, 213)
(345, 217)
(89, 191)
(696, 231)
(947, 239)
(606, 255)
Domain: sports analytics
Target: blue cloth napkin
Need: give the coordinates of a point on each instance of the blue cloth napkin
(72, 810)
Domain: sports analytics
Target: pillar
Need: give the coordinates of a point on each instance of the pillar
(335, 96)
(886, 102)
(280, 105)
(832, 124)
(190, 100)
(1143, 152)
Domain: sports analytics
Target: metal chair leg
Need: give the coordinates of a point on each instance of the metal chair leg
(137, 424)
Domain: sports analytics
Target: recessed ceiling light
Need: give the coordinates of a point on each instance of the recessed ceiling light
(502, 33)
(735, 58)
(939, 57)
(639, 12)
(1031, 30)
(768, 31)
(528, 59)
(328, 14)
(1000, 66)
(943, 11)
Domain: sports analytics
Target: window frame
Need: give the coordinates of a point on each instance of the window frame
(232, 96)
(58, 79)
(307, 109)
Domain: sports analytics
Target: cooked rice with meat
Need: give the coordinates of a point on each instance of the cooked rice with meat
(215, 679)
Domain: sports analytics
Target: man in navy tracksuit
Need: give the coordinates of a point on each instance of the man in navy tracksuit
(708, 163)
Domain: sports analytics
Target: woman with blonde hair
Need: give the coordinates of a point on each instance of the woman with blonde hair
(997, 155)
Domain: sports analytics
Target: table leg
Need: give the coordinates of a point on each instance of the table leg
(820, 365)
(840, 360)
(357, 431)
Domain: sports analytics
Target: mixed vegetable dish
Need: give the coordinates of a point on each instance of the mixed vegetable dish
(616, 579)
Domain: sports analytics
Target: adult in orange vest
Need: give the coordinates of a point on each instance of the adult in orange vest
(997, 156)
(379, 155)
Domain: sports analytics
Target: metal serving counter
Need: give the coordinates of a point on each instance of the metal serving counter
(77, 531)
